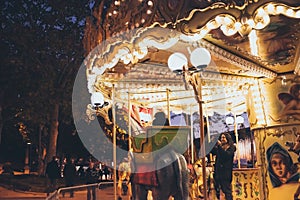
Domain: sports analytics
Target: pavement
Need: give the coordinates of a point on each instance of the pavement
(13, 194)
(102, 194)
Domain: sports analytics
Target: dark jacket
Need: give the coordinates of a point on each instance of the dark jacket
(70, 172)
(91, 175)
(53, 170)
(224, 162)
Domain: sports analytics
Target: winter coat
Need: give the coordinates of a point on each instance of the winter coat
(224, 162)
(91, 175)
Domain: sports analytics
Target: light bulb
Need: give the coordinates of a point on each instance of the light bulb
(200, 58)
(176, 62)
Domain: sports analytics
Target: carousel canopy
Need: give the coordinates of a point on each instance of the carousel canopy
(247, 40)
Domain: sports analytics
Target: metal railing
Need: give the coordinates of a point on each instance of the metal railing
(56, 193)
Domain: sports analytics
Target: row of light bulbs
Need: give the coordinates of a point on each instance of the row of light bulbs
(260, 19)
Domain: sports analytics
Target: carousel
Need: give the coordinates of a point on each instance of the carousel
(210, 67)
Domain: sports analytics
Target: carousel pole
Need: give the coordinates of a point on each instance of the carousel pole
(114, 143)
(192, 135)
(178, 63)
(129, 122)
(168, 105)
(202, 136)
(237, 141)
(196, 82)
(207, 124)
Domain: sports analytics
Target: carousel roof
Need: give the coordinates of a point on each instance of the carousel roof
(130, 43)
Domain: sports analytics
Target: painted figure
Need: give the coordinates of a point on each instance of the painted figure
(291, 101)
(281, 168)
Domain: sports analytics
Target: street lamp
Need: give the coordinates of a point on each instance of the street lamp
(100, 107)
(27, 158)
(97, 100)
(178, 63)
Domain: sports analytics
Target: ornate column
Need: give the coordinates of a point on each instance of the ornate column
(274, 114)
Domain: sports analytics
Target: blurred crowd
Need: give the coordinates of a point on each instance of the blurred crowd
(75, 171)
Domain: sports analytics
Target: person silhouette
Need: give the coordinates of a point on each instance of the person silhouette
(53, 173)
(160, 119)
(70, 174)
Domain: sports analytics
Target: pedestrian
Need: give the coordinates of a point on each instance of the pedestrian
(106, 172)
(70, 175)
(100, 173)
(52, 173)
(92, 176)
(224, 151)
(81, 172)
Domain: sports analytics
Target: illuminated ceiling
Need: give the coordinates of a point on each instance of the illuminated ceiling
(247, 39)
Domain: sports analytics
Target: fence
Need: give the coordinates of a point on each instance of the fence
(55, 195)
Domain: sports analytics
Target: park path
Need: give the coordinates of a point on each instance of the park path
(102, 194)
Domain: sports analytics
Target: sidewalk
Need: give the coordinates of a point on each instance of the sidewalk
(11, 194)
(102, 194)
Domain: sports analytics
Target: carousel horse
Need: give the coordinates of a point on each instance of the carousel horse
(171, 180)
(196, 183)
(167, 176)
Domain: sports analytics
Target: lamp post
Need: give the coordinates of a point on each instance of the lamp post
(27, 158)
(97, 101)
(178, 63)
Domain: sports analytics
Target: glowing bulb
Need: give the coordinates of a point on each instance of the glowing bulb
(227, 20)
(279, 9)
(97, 99)
(219, 20)
(270, 8)
(176, 62)
(237, 25)
(261, 12)
(290, 12)
(212, 25)
(229, 120)
(240, 120)
(200, 57)
(251, 23)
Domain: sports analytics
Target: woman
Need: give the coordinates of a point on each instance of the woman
(224, 151)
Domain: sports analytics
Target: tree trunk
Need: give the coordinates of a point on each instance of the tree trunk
(1, 124)
(1, 117)
(53, 133)
(40, 152)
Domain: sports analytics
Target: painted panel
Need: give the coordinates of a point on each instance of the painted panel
(246, 184)
(281, 100)
(279, 160)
